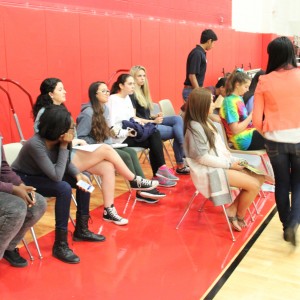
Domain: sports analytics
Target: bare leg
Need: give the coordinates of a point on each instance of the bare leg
(249, 184)
(107, 172)
(84, 161)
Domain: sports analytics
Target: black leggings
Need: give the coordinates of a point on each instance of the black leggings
(257, 142)
(154, 143)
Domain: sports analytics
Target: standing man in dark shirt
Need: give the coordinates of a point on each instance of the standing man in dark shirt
(196, 63)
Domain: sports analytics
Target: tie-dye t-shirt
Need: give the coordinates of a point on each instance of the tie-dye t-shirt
(233, 110)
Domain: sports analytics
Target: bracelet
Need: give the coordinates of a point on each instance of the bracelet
(229, 165)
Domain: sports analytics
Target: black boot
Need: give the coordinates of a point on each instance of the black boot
(82, 232)
(61, 248)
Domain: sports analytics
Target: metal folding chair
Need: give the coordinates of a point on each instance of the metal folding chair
(196, 193)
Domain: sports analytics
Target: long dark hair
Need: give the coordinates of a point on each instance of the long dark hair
(197, 109)
(253, 85)
(281, 54)
(120, 80)
(44, 99)
(55, 121)
(100, 130)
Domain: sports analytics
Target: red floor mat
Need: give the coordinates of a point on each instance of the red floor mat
(147, 259)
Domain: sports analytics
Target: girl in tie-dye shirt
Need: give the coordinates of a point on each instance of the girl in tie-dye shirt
(235, 117)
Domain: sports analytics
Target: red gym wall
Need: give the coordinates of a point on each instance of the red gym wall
(80, 45)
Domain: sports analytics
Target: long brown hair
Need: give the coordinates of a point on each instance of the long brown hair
(100, 129)
(197, 110)
(237, 76)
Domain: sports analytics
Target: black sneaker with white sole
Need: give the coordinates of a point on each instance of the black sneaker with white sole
(140, 183)
(140, 198)
(153, 194)
(110, 214)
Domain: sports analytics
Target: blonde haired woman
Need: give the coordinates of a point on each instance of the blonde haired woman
(170, 127)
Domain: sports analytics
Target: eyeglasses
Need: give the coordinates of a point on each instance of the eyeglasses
(103, 92)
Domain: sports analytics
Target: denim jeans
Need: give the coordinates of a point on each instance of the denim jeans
(185, 93)
(285, 160)
(16, 218)
(62, 190)
(172, 128)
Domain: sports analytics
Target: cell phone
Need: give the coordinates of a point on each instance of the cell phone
(87, 187)
(30, 196)
(133, 132)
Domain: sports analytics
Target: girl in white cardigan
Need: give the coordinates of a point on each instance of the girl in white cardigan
(212, 164)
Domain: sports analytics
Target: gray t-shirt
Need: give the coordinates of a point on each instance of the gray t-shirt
(36, 159)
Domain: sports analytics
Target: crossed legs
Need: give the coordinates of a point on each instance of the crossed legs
(85, 161)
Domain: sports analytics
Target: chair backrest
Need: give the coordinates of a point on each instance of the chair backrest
(252, 158)
(167, 108)
(156, 109)
(222, 133)
(11, 151)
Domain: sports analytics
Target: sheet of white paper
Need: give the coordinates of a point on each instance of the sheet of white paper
(118, 145)
(89, 147)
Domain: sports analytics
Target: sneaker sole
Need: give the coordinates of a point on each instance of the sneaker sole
(183, 173)
(161, 176)
(168, 186)
(152, 196)
(116, 222)
(146, 201)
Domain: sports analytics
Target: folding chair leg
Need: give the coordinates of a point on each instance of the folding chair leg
(27, 249)
(255, 207)
(262, 194)
(98, 181)
(228, 223)
(71, 218)
(36, 242)
(74, 200)
(128, 185)
(187, 208)
(202, 206)
(145, 151)
(251, 216)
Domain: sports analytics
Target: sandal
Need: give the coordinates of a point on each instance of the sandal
(241, 222)
(234, 223)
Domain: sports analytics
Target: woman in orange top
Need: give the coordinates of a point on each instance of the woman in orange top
(276, 116)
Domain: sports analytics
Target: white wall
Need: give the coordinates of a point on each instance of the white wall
(281, 17)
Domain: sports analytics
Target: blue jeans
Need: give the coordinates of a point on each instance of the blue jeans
(172, 128)
(186, 92)
(285, 160)
(62, 190)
